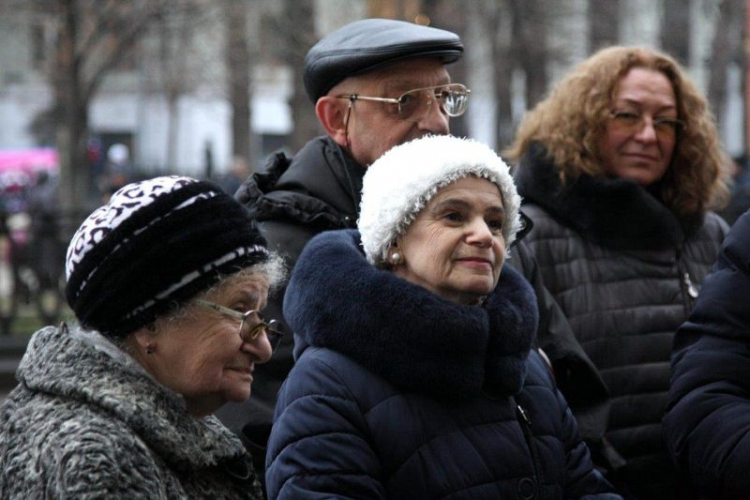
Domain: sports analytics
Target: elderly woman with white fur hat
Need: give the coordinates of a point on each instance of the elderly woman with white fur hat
(166, 282)
(415, 375)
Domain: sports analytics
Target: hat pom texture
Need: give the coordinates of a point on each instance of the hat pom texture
(157, 243)
(401, 183)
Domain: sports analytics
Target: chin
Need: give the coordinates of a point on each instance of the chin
(237, 395)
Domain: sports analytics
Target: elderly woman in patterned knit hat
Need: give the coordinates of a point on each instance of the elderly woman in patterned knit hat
(167, 282)
(415, 373)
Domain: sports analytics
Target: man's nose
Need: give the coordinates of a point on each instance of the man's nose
(435, 121)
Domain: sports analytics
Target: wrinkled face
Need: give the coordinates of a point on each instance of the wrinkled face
(375, 127)
(640, 149)
(455, 247)
(202, 355)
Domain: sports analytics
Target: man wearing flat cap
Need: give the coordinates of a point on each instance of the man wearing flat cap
(375, 83)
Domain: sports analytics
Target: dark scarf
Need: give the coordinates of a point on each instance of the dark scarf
(613, 212)
(404, 333)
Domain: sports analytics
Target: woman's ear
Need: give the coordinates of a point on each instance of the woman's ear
(333, 113)
(145, 338)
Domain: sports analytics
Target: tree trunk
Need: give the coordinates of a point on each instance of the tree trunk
(448, 15)
(71, 121)
(298, 22)
(675, 30)
(604, 23)
(238, 63)
(726, 46)
(530, 46)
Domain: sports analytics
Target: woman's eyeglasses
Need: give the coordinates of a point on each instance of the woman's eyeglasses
(634, 122)
(414, 105)
(249, 329)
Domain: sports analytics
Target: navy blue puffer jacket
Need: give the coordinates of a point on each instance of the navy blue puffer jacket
(398, 393)
(708, 422)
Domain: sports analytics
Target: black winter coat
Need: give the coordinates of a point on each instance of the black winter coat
(708, 424)
(293, 200)
(398, 393)
(625, 271)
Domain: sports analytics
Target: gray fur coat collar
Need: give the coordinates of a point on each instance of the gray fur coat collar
(87, 396)
(73, 366)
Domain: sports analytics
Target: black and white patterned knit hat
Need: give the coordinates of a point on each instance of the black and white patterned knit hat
(157, 243)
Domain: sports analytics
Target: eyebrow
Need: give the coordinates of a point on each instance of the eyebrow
(458, 202)
(402, 85)
(639, 104)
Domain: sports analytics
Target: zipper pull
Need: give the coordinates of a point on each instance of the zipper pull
(691, 290)
(523, 415)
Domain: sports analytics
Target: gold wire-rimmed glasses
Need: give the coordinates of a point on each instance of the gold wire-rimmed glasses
(250, 333)
(413, 105)
(633, 122)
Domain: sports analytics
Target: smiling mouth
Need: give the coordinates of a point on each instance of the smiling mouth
(477, 261)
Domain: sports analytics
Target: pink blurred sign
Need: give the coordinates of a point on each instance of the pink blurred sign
(29, 160)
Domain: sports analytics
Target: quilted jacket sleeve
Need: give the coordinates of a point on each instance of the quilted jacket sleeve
(581, 479)
(319, 447)
(707, 426)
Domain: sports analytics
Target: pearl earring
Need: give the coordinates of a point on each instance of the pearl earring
(396, 259)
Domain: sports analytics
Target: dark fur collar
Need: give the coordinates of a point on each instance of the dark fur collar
(404, 333)
(613, 212)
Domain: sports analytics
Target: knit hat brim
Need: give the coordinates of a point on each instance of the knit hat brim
(399, 185)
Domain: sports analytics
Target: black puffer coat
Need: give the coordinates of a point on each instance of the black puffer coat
(398, 393)
(293, 200)
(626, 272)
(708, 425)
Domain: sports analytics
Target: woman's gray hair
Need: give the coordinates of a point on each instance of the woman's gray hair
(273, 269)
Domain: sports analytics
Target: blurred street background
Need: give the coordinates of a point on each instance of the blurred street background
(98, 93)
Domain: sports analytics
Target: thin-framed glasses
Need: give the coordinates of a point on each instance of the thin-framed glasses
(633, 122)
(413, 105)
(247, 332)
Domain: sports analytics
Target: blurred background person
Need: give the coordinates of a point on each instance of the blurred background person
(415, 376)
(47, 252)
(708, 421)
(619, 166)
(168, 296)
(237, 174)
(375, 83)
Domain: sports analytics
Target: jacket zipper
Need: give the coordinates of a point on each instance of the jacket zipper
(525, 421)
(689, 290)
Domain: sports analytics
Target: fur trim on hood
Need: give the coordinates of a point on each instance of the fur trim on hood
(614, 212)
(406, 334)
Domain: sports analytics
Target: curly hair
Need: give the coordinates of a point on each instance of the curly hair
(570, 121)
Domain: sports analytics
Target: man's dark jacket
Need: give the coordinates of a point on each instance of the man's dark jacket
(708, 424)
(293, 200)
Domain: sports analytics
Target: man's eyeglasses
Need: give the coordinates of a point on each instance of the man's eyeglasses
(634, 122)
(248, 331)
(414, 105)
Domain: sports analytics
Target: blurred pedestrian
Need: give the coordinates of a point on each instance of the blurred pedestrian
(619, 167)
(375, 83)
(237, 174)
(47, 252)
(167, 296)
(415, 376)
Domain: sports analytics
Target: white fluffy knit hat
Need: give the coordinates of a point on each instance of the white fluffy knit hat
(400, 183)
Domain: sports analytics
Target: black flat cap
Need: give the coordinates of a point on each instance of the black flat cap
(369, 44)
